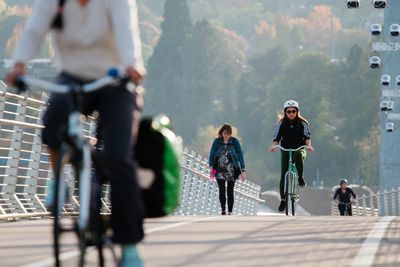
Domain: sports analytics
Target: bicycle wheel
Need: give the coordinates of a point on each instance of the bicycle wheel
(83, 166)
(288, 175)
(293, 206)
(59, 201)
(294, 191)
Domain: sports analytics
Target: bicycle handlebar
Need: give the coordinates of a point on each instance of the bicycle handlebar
(344, 203)
(111, 78)
(290, 149)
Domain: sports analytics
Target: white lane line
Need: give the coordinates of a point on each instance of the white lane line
(174, 225)
(75, 253)
(50, 261)
(366, 254)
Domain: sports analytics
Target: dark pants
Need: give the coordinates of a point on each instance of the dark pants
(229, 192)
(342, 207)
(116, 107)
(298, 158)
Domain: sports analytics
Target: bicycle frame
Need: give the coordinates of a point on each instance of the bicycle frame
(74, 150)
(292, 185)
(292, 191)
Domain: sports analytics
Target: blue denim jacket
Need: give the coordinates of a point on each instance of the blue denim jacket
(234, 149)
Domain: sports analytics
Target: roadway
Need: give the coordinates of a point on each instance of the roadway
(229, 241)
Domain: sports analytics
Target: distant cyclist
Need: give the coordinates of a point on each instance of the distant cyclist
(292, 131)
(343, 195)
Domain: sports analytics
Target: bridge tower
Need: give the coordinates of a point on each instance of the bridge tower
(389, 165)
(386, 57)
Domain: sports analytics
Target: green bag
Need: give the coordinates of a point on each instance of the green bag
(158, 153)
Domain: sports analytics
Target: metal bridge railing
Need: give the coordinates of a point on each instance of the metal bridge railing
(200, 196)
(25, 168)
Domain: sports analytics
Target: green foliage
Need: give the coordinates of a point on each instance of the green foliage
(165, 65)
(242, 19)
(212, 68)
(237, 61)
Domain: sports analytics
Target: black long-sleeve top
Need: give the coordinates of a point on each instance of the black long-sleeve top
(344, 196)
(291, 133)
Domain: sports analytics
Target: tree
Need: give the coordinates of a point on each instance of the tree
(165, 65)
(262, 70)
(212, 68)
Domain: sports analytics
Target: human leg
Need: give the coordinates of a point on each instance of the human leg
(284, 168)
(222, 196)
(341, 208)
(349, 210)
(116, 110)
(298, 159)
(230, 193)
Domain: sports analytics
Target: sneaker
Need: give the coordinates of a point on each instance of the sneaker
(230, 213)
(223, 213)
(130, 257)
(302, 182)
(282, 206)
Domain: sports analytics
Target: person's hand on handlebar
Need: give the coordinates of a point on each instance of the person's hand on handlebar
(273, 147)
(136, 74)
(310, 148)
(17, 71)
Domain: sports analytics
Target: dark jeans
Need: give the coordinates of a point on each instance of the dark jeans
(298, 158)
(229, 192)
(342, 207)
(116, 107)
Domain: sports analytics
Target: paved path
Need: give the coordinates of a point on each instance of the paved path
(230, 241)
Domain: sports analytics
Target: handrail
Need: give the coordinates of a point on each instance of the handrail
(384, 203)
(25, 154)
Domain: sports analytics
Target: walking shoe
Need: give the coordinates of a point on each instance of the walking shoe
(223, 213)
(302, 182)
(130, 257)
(282, 206)
(229, 213)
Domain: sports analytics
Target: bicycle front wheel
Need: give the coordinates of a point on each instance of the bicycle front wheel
(288, 181)
(60, 194)
(293, 206)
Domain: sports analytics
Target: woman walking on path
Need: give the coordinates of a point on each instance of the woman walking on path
(227, 165)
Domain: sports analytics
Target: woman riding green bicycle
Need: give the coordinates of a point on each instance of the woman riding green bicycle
(291, 131)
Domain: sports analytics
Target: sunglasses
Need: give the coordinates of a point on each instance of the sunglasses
(291, 111)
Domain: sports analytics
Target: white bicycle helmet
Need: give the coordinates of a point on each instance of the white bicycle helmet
(291, 104)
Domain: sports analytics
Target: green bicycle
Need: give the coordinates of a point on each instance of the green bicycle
(291, 176)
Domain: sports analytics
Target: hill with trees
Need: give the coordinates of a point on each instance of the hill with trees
(237, 61)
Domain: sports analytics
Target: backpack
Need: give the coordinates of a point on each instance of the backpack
(158, 152)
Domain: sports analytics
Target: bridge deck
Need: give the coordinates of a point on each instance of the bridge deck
(230, 241)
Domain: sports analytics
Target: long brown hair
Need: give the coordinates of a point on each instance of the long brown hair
(224, 127)
(282, 116)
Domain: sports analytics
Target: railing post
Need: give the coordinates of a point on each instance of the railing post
(398, 201)
(379, 203)
(364, 204)
(371, 203)
(393, 200)
(385, 203)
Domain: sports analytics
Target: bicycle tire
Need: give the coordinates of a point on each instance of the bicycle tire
(293, 206)
(287, 186)
(84, 176)
(294, 192)
(59, 198)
